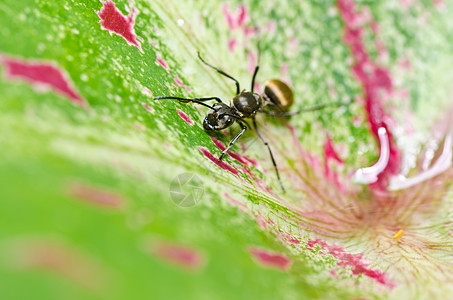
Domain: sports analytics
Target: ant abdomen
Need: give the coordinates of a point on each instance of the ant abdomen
(278, 94)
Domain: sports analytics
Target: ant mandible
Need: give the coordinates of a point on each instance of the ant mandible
(277, 95)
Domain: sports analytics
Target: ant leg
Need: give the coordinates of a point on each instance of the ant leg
(188, 100)
(233, 141)
(270, 152)
(292, 113)
(238, 89)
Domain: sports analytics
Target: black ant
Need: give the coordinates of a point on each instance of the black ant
(277, 95)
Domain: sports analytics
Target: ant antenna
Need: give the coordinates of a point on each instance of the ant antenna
(258, 60)
(257, 66)
(238, 89)
(188, 100)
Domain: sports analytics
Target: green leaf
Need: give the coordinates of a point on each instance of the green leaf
(106, 193)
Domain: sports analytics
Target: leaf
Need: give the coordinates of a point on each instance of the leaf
(109, 194)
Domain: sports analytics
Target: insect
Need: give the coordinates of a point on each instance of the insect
(277, 96)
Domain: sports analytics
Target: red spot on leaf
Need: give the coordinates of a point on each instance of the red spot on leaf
(334, 273)
(146, 106)
(267, 258)
(242, 207)
(60, 259)
(232, 43)
(355, 261)
(243, 15)
(331, 154)
(237, 19)
(240, 158)
(181, 255)
(271, 26)
(42, 74)
(406, 3)
(249, 31)
(218, 143)
(261, 222)
(218, 162)
(146, 91)
(185, 117)
(114, 21)
(161, 61)
(181, 84)
(95, 195)
(329, 151)
(440, 4)
(294, 241)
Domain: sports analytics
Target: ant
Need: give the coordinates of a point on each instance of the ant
(277, 95)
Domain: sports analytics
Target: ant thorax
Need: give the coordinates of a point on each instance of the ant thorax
(247, 104)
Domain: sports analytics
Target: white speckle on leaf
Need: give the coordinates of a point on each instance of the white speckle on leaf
(314, 64)
(84, 77)
(41, 47)
(332, 11)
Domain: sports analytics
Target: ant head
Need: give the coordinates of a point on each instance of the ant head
(218, 118)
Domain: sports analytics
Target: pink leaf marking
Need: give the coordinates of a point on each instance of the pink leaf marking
(330, 154)
(375, 80)
(180, 255)
(267, 258)
(185, 117)
(240, 158)
(406, 3)
(232, 43)
(218, 143)
(242, 207)
(440, 4)
(42, 74)
(355, 261)
(261, 222)
(63, 260)
(95, 195)
(146, 106)
(146, 91)
(237, 19)
(218, 162)
(181, 84)
(114, 21)
(161, 61)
